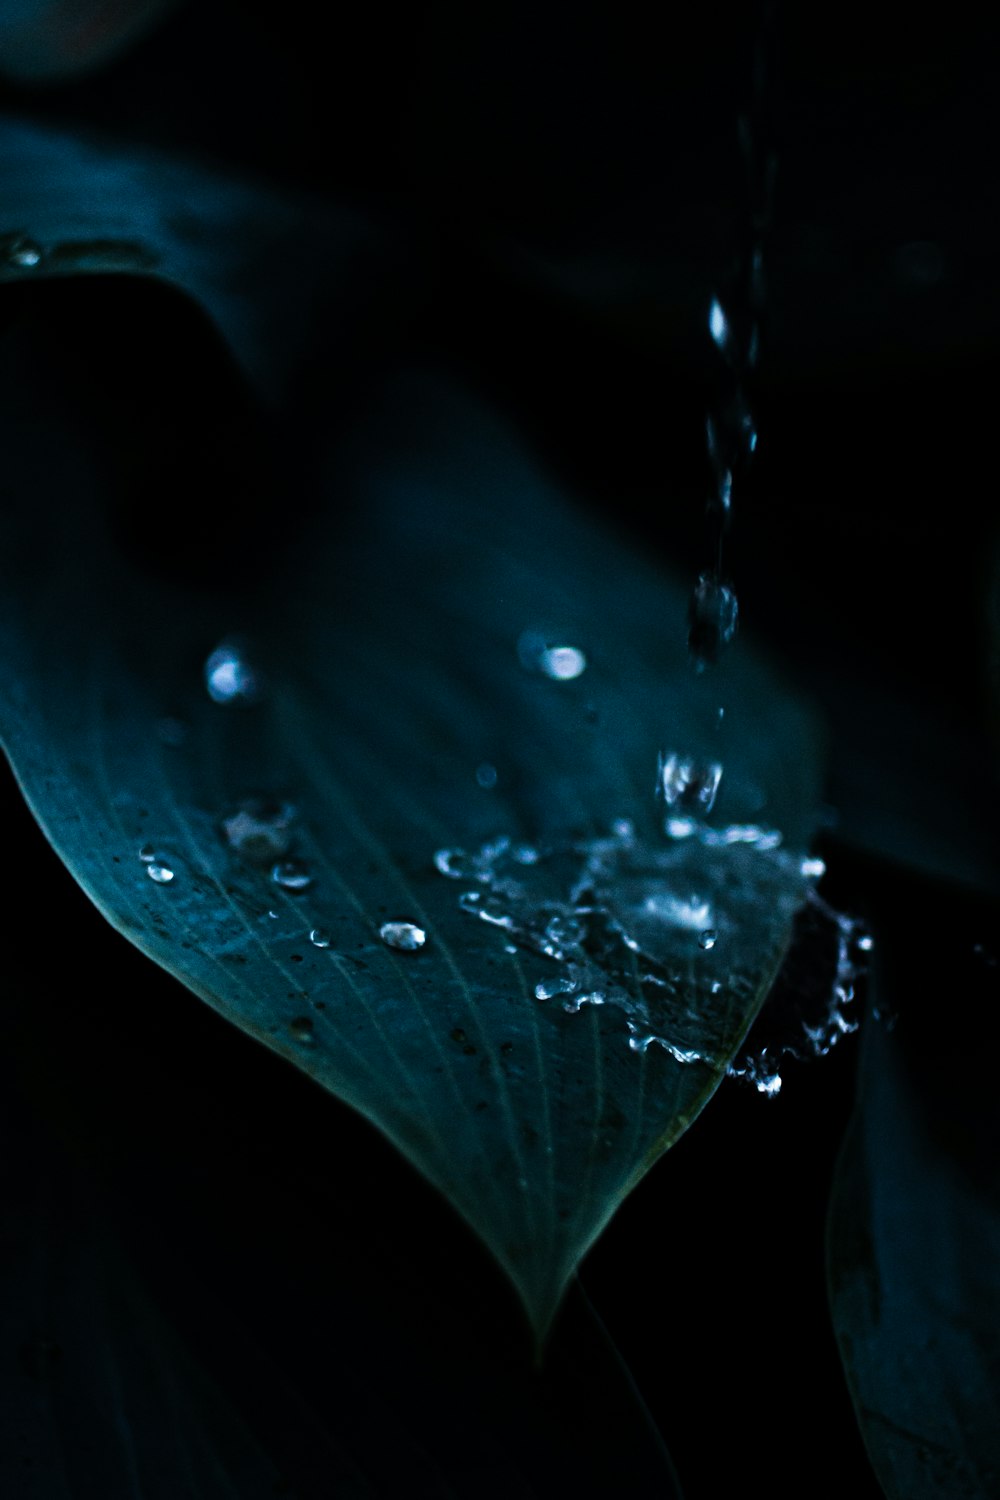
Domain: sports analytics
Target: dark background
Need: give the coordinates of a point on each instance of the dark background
(560, 189)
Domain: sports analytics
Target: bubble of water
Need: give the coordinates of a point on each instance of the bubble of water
(160, 874)
(259, 830)
(229, 676)
(713, 613)
(486, 776)
(291, 876)
(708, 938)
(688, 786)
(302, 1030)
(404, 937)
(319, 937)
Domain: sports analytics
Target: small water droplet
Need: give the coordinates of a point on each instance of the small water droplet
(866, 942)
(563, 663)
(486, 776)
(302, 1030)
(291, 876)
(712, 618)
(319, 937)
(20, 251)
(689, 786)
(160, 874)
(547, 989)
(404, 937)
(718, 324)
(147, 854)
(813, 869)
(708, 938)
(455, 863)
(680, 828)
(229, 677)
(259, 830)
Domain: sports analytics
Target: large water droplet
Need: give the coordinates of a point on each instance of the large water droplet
(404, 937)
(319, 937)
(229, 676)
(259, 830)
(291, 876)
(688, 786)
(712, 617)
(160, 874)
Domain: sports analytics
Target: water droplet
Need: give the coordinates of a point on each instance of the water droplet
(229, 677)
(160, 874)
(623, 828)
(273, 914)
(563, 663)
(688, 785)
(404, 937)
(712, 617)
(147, 854)
(547, 989)
(680, 828)
(456, 864)
(486, 776)
(565, 932)
(319, 937)
(21, 252)
(708, 938)
(302, 1030)
(718, 324)
(866, 942)
(291, 876)
(260, 831)
(813, 869)
(691, 912)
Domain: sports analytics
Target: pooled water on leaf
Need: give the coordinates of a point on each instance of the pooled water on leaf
(291, 875)
(229, 675)
(403, 937)
(160, 874)
(620, 922)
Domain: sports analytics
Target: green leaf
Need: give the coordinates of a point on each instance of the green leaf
(387, 657)
(914, 1270)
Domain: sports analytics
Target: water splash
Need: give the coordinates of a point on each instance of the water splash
(618, 921)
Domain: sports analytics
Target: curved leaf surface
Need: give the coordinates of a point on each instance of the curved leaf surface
(400, 708)
(913, 1257)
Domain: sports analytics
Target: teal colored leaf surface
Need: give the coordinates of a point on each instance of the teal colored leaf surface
(914, 1272)
(398, 729)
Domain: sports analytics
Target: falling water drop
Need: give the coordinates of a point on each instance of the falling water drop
(291, 876)
(712, 617)
(689, 786)
(229, 677)
(404, 937)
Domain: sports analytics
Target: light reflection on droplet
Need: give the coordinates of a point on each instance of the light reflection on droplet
(403, 937)
(319, 937)
(291, 876)
(160, 874)
(229, 677)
